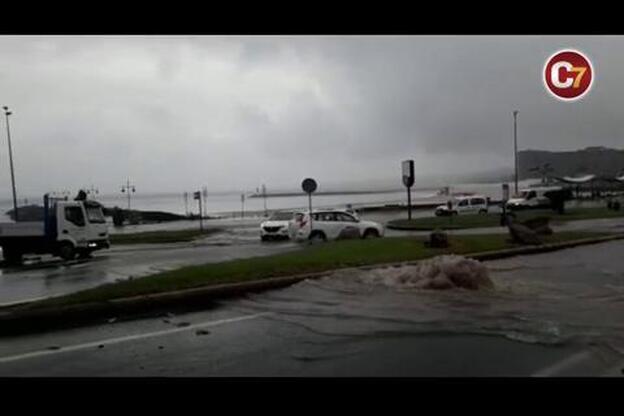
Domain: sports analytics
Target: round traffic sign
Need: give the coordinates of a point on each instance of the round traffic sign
(308, 185)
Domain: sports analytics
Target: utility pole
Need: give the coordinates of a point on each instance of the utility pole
(7, 113)
(205, 196)
(128, 188)
(242, 205)
(515, 115)
(264, 196)
(186, 204)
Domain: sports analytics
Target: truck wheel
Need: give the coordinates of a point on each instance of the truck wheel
(12, 256)
(67, 251)
(84, 254)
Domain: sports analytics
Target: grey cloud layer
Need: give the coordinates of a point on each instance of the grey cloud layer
(180, 112)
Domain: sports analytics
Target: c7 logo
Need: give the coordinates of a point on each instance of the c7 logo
(568, 75)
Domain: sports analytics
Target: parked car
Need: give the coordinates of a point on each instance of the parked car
(532, 198)
(333, 225)
(470, 204)
(277, 226)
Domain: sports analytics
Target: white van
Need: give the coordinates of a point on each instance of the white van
(468, 204)
(531, 198)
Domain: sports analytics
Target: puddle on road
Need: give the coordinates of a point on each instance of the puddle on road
(536, 304)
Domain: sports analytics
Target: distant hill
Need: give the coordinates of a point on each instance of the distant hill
(597, 160)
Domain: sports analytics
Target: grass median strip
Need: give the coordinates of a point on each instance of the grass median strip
(492, 220)
(332, 255)
(161, 237)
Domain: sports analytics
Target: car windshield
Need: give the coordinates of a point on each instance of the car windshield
(281, 216)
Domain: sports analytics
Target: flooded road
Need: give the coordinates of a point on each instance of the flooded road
(46, 276)
(553, 314)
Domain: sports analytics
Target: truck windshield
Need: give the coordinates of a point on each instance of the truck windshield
(95, 215)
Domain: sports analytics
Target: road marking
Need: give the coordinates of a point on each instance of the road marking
(36, 354)
(18, 302)
(560, 366)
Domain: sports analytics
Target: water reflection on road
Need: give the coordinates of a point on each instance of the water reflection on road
(45, 276)
(573, 296)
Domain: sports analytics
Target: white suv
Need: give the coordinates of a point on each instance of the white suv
(333, 225)
(471, 204)
(277, 226)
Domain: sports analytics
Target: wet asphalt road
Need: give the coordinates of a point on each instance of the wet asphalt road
(554, 314)
(45, 276)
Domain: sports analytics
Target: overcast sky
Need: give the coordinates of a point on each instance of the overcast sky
(231, 113)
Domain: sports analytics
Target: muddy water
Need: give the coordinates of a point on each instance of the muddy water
(573, 296)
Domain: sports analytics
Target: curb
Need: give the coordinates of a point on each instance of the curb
(19, 319)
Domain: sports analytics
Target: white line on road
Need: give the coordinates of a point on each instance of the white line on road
(562, 365)
(36, 354)
(17, 302)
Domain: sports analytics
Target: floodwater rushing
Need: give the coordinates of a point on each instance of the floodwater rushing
(441, 273)
(570, 296)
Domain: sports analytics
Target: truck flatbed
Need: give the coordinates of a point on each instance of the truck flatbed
(22, 229)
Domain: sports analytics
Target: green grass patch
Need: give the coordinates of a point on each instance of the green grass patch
(493, 220)
(160, 237)
(328, 256)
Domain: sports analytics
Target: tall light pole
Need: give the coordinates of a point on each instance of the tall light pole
(515, 115)
(128, 189)
(7, 113)
(264, 197)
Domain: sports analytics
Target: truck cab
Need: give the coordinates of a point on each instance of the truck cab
(80, 224)
(68, 229)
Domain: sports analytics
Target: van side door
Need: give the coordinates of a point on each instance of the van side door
(463, 207)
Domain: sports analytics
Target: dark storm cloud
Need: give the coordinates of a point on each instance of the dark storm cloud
(180, 112)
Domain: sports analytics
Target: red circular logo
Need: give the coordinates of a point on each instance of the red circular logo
(568, 75)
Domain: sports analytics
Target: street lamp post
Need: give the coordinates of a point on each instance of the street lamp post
(128, 188)
(515, 115)
(264, 197)
(7, 113)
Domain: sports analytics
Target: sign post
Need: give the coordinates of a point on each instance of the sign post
(408, 181)
(309, 185)
(198, 196)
